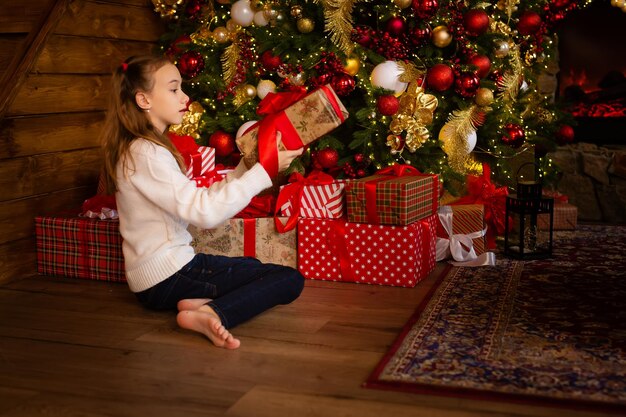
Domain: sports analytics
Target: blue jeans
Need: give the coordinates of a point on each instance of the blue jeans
(240, 287)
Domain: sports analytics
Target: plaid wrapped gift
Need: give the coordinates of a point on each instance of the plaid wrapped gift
(565, 217)
(80, 248)
(300, 119)
(336, 250)
(256, 237)
(466, 219)
(397, 195)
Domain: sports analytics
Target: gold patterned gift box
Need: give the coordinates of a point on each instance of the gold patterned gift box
(466, 219)
(256, 237)
(300, 123)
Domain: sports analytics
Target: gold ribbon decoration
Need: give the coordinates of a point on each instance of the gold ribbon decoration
(191, 121)
(415, 113)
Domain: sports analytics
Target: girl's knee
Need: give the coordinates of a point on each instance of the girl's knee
(292, 283)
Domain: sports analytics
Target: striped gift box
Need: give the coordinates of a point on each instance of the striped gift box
(396, 200)
(200, 162)
(466, 219)
(79, 247)
(318, 201)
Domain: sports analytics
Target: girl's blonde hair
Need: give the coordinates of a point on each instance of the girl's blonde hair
(125, 120)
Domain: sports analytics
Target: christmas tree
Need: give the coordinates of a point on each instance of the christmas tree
(444, 86)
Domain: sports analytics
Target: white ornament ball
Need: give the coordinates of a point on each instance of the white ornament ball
(386, 74)
(260, 19)
(471, 141)
(242, 13)
(243, 128)
(264, 87)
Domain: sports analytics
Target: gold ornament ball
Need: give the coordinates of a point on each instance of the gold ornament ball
(305, 25)
(403, 4)
(220, 34)
(296, 12)
(249, 91)
(352, 66)
(484, 97)
(232, 26)
(501, 48)
(441, 37)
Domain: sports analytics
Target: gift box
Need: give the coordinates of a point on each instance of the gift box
(79, 247)
(300, 119)
(337, 250)
(255, 237)
(392, 197)
(564, 217)
(319, 195)
(200, 160)
(466, 219)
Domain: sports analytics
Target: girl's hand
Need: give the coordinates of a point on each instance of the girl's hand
(285, 157)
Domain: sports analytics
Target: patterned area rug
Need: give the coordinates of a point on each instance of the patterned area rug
(551, 332)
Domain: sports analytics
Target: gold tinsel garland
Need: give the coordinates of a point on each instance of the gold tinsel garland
(229, 61)
(338, 21)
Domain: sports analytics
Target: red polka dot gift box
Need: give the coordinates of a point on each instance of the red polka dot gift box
(338, 250)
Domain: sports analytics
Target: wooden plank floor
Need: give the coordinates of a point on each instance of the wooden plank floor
(83, 348)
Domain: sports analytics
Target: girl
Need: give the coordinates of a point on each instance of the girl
(156, 202)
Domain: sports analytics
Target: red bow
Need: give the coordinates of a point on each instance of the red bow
(293, 193)
(259, 206)
(482, 191)
(398, 170)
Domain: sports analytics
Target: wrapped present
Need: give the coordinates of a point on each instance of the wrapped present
(464, 220)
(296, 118)
(396, 195)
(255, 237)
(79, 247)
(319, 195)
(200, 160)
(565, 217)
(337, 250)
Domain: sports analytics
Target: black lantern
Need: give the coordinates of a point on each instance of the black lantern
(523, 238)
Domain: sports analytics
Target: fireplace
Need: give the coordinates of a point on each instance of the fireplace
(592, 77)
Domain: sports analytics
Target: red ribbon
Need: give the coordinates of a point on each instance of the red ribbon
(482, 191)
(249, 237)
(276, 120)
(339, 246)
(259, 206)
(293, 193)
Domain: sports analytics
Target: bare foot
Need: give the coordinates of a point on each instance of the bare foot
(205, 321)
(192, 303)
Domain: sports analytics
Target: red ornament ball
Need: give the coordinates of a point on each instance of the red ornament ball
(224, 143)
(425, 9)
(483, 64)
(327, 157)
(269, 61)
(466, 84)
(193, 8)
(395, 26)
(440, 77)
(476, 22)
(343, 84)
(420, 36)
(179, 45)
(529, 23)
(565, 135)
(387, 105)
(513, 135)
(190, 64)
(359, 158)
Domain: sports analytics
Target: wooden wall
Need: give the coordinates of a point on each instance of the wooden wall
(56, 57)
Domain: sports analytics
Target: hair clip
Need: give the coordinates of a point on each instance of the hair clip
(124, 66)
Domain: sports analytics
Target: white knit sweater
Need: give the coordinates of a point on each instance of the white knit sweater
(156, 202)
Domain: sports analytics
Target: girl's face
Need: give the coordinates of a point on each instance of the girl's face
(167, 101)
